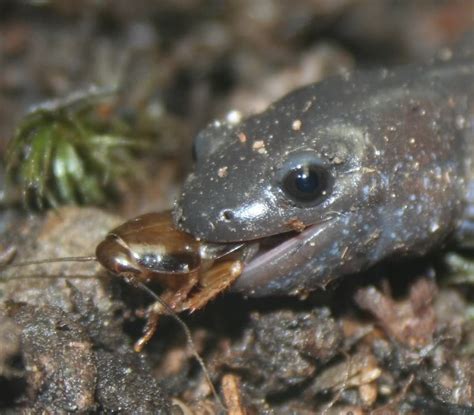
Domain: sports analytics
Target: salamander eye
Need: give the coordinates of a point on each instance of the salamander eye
(305, 181)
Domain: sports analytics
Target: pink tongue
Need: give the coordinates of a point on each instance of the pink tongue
(278, 261)
(261, 260)
(279, 270)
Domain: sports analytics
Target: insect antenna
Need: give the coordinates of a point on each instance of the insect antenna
(91, 258)
(189, 340)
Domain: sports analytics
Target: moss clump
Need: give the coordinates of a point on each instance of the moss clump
(71, 151)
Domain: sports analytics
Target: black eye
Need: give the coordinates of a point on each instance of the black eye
(306, 183)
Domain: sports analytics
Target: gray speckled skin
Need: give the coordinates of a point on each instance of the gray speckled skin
(399, 145)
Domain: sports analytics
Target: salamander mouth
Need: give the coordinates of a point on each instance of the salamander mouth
(262, 251)
(269, 261)
(269, 269)
(248, 252)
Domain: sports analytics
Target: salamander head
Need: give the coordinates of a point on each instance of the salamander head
(277, 169)
(296, 170)
(345, 172)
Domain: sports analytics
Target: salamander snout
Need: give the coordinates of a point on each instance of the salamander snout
(220, 222)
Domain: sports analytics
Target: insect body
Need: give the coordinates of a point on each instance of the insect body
(150, 249)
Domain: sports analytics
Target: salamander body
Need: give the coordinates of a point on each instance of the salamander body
(347, 172)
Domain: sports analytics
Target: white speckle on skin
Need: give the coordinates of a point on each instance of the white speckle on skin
(259, 146)
(223, 171)
(296, 125)
(309, 104)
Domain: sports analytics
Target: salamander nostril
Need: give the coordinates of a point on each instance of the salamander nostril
(227, 215)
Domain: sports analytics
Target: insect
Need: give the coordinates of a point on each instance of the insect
(150, 249)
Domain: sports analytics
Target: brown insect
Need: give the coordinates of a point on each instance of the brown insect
(149, 249)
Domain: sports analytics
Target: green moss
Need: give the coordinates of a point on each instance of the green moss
(71, 151)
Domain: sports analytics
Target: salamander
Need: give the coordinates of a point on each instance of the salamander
(339, 175)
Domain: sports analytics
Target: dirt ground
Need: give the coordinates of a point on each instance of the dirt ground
(394, 340)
